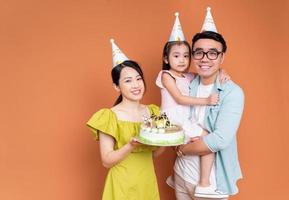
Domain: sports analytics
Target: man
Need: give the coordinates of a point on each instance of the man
(221, 122)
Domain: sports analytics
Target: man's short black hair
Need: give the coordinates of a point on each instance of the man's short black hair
(210, 35)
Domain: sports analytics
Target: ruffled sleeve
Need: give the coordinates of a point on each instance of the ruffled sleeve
(159, 78)
(103, 121)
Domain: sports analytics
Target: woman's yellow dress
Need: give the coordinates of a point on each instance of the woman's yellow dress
(134, 177)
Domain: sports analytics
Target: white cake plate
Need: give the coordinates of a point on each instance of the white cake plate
(156, 144)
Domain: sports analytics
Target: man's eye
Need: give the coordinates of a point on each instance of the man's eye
(212, 53)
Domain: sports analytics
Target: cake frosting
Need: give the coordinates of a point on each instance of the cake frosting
(158, 130)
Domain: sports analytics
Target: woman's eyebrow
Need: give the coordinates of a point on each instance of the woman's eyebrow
(127, 77)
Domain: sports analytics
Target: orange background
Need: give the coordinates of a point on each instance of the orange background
(55, 73)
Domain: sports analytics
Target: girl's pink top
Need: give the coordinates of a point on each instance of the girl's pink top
(182, 84)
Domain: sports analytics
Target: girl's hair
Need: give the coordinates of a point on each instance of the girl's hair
(115, 74)
(167, 49)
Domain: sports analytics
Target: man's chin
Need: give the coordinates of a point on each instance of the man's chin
(205, 74)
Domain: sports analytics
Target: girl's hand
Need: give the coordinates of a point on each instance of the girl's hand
(213, 99)
(179, 151)
(224, 76)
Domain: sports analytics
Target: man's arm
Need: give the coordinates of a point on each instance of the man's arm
(225, 129)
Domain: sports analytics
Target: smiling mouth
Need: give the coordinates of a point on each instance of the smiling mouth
(204, 67)
(136, 92)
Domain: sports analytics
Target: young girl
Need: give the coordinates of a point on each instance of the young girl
(131, 172)
(174, 82)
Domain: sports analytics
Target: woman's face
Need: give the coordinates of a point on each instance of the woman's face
(131, 84)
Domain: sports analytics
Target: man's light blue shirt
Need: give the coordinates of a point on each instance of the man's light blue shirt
(222, 122)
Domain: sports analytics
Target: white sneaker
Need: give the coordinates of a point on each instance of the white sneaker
(209, 192)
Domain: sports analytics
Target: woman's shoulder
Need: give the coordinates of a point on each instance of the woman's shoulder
(102, 115)
(103, 121)
(104, 112)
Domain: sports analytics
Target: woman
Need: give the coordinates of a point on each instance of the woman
(131, 172)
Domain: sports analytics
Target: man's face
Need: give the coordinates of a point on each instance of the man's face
(205, 67)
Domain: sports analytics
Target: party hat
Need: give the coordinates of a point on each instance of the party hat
(209, 24)
(177, 32)
(118, 56)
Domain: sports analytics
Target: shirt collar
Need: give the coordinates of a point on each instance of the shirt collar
(217, 84)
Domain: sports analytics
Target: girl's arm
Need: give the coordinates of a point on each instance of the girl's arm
(170, 84)
(224, 76)
(109, 156)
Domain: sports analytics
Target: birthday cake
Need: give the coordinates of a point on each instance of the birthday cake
(158, 131)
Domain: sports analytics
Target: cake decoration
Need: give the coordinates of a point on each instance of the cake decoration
(159, 131)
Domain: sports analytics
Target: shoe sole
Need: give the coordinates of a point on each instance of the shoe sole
(212, 196)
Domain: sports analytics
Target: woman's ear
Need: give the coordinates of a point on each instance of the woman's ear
(116, 87)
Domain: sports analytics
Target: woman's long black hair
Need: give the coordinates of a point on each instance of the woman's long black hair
(115, 74)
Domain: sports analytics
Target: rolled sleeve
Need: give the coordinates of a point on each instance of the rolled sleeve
(227, 122)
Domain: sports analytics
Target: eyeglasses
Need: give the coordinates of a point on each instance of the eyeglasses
(211, 55)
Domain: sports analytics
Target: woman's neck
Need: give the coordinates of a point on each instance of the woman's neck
(130, 111)
(129, 105)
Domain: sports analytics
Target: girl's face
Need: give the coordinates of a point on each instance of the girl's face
(131, 84)
(179, 58)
